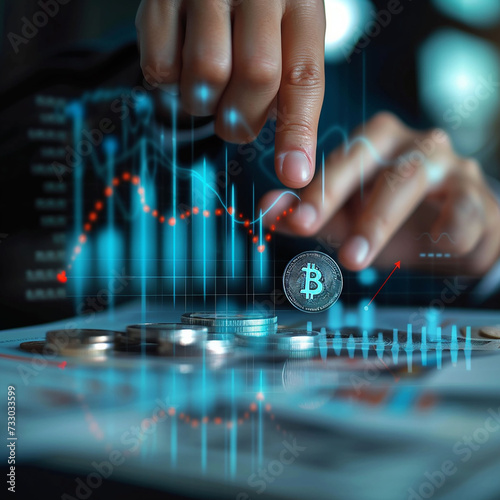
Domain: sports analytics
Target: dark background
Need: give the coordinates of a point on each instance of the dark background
(91, 44)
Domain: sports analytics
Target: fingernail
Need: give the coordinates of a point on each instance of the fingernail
(295, 167)
(356, 249)
(169, 88)
(304, 215)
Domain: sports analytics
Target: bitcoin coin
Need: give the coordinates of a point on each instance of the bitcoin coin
(312, 282)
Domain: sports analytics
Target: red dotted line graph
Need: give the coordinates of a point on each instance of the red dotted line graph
(135, 181)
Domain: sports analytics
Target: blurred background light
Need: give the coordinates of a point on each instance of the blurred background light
(367, 277)
(477, 13)
(458, 86)
(345, 23)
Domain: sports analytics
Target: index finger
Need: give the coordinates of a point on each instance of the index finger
(301, 92)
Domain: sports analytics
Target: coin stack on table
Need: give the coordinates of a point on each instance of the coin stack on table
(251, 329)
(75, 342)
(297, 343)
(215, 335)
(483, 332)
(171, 339)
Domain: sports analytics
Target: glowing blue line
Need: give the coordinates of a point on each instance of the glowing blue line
(232, 227)
(143, 239)
(363, 121)
(323, 178)
(204, 412)
(351, 346)
(395, 346)
(409, 346)
(111, 221)
(227, 180)
(204, 232)
(438, 239)
(347, 144)
(77, 112)
(467, 348)
(174, 189)
(380, 347)
(261, 253)
(337, 343)
(423, 348)
(177, 170)
(439, 348)
(233, 436)
(173, 431)
(365, 346)
(261, 428)
(454, 345)
(323, 347)
(198, 176)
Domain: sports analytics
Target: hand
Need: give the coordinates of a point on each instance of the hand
(238, 59)
(418, 197)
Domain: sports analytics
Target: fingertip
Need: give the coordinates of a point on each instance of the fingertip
(304, 219)
(354, 253)
(294, 168)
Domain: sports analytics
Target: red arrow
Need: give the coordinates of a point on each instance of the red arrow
(397, 266)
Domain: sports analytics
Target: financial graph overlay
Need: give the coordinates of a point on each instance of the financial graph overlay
(131, 215)
(123, 204)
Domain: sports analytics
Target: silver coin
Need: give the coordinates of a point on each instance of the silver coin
(312, 282)
(297, 343)
(154, 332)
(77, 336)
(176, 339)
(230, 319)
(219, 344)
(490, 332)
(248, 331)
(87, 350)
(35, 346)
(261, 342)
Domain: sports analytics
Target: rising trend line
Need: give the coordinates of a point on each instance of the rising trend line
(397, 265)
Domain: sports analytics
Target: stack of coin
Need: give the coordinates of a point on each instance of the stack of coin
(247, 329)
(483, 332)
(490, 332)
(297, 343)
(171, 339)
(245, 324)
(80, 342)
(219, 344)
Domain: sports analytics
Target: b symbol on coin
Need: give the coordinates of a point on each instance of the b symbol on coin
(314, 275)
(312, 282)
